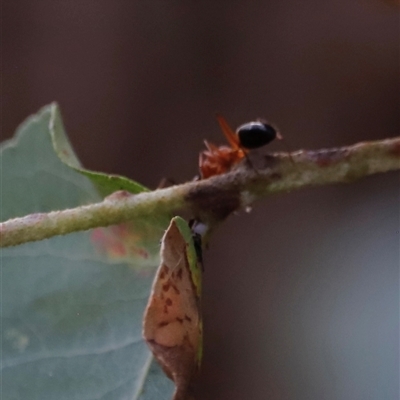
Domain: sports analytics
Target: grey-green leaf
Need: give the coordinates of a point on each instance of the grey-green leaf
(71, 306)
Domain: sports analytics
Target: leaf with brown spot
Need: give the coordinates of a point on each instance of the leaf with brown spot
(172, 325)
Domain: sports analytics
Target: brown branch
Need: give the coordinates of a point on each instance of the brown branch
(215, 198)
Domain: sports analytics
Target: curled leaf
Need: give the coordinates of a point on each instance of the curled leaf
(172, 325)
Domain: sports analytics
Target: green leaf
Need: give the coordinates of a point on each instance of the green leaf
(72, 306)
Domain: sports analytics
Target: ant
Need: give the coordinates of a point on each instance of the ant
(252, 135)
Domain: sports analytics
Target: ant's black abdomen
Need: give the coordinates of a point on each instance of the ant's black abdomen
(255, 134)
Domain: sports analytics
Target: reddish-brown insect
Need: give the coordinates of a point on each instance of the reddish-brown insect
(217, 160)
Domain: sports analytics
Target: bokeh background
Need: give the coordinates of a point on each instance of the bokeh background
(301, 295)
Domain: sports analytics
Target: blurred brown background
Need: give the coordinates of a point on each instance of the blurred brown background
(301, 296)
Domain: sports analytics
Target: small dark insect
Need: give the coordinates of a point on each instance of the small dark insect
(217, 160)
(253, 135)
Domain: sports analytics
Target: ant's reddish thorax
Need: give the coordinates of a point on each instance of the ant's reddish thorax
(218, 160)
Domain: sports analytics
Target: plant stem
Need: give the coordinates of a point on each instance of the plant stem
(213, 199)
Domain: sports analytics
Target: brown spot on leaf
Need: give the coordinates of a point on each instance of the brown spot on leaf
(162, 274)
(168, 302)
(188, 318)
(176, 289)
(166, 286)
(179, 274)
